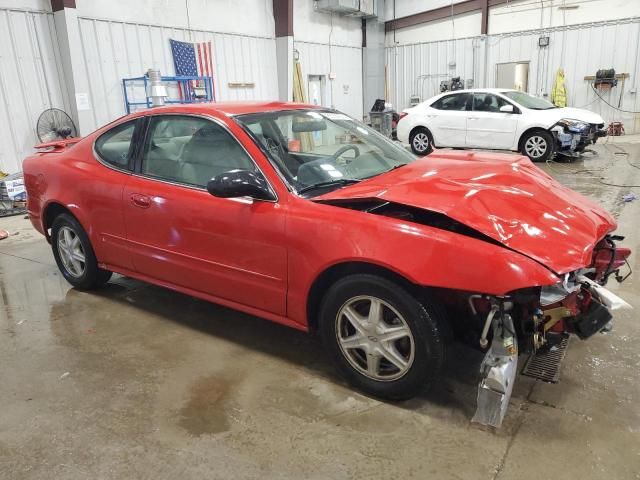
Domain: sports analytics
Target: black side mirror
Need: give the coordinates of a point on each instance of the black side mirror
(240, 183)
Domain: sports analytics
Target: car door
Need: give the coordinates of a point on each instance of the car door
(447, 119)
(487, 126)
(102, 193)
(179, 234)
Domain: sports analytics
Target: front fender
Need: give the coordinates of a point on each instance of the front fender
(324, 236)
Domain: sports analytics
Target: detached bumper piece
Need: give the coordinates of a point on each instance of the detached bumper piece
(498, 370)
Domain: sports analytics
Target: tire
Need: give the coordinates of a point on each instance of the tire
(421, 141)
(67, 235)
(537, 145)
(419, 342)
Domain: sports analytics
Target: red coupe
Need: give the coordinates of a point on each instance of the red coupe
(306, 217)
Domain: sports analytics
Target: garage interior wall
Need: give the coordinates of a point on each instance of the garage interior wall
(114, 50)
(30, 79)
(121, 39)
(330, 44)
(124, 39)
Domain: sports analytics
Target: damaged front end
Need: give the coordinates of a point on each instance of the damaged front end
(534, 319)
(573, 136)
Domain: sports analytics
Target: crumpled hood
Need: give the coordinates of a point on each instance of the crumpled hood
(506, 197)
(554, 115)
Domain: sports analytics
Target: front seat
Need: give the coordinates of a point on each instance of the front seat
(210, 152)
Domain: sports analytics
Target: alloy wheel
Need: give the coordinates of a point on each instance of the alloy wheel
(535, 146)
(71, 252)
(421, 142)
(374, 338)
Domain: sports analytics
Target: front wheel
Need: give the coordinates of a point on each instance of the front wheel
(537, 145)
(74, 255)
(421, 141)
(383, 340)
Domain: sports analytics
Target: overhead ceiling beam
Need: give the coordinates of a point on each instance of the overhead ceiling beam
(444, 13)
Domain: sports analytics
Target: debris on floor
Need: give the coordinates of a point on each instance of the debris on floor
(630, 197)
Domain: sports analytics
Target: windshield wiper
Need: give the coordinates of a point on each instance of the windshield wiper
(339, 181)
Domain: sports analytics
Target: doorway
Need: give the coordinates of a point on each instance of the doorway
(317, 90)
(513, 75)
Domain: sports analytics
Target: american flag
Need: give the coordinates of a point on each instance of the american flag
(192, 59)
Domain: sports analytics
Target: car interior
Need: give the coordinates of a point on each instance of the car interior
(308, 153)
(173, 153)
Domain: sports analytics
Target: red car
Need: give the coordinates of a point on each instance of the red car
(308, 218)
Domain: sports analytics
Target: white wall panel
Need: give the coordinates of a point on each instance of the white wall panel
(580, 49)
(419, 68)
(114, 50)
(30, 80)
(464, 25)
(344, 92)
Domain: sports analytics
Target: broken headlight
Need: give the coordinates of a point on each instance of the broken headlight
(574, 126)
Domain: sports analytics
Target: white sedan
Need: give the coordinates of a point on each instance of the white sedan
(498, 119)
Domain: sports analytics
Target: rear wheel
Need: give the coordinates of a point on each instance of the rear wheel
(74, 255)
(383, 340)
(421, 141)
(537, 145)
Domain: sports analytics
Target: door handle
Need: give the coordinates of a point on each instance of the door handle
(141, 201)
(473, 118)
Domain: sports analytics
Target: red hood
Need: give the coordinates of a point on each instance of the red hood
(506, 197)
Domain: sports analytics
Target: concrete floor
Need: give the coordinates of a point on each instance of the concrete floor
(136, 381)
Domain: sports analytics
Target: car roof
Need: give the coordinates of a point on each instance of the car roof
(480, 90)
(228, 108)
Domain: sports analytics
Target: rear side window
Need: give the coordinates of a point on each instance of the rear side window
(116, 145)
(191, 150)
(455, 102)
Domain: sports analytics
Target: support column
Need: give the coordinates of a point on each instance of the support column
(70, 46)
(373, 62)
(283, 17)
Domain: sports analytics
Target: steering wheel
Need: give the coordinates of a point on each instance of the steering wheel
(344, 149)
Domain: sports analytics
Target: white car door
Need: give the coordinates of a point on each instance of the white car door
(447, 119)
(487, 126)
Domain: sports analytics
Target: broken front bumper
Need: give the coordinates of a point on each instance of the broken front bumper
(500, 364)
(572, 139)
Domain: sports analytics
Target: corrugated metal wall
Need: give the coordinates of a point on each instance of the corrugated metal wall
(30, 81)
(345, 62)
(114, 50)
(581, 50)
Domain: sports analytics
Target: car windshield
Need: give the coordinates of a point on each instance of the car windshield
(320, 150)
(529, 101)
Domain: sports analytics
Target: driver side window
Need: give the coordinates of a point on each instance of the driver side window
(487, 102)
(190, 150)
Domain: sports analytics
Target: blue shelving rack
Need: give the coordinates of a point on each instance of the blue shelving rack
(185, 84)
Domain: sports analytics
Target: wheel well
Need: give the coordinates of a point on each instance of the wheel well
(327, 278)
(51, 212)
(420, 127)
(527, 132)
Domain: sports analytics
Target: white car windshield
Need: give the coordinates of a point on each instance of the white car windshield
(316, 150)
(529, 101)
